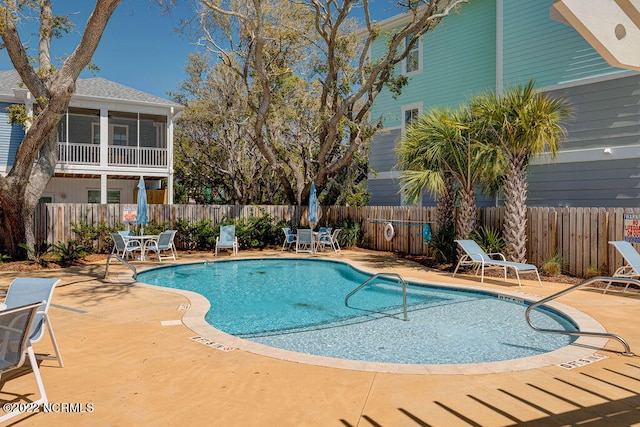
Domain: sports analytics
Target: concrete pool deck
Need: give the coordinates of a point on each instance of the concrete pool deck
(130, 360)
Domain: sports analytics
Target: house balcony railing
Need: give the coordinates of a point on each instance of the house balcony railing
(89, 154)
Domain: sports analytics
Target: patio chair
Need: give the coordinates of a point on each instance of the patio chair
(125, 233)
(289, 238)
(163, 243)
(304, 240)
(330, 239)
(227, 239)
(323, 235)
(475, 256)
(30, 290)
(15, 346)
(123, 247)
(631, 257)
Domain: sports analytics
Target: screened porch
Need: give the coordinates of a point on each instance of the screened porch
(119, 139)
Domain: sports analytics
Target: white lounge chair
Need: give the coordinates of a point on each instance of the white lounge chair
(304, 240)
(477, 257)
(289, 238)
(30, 290)
(15, 346)
(163, 243)
(227, 239)
(631, 257)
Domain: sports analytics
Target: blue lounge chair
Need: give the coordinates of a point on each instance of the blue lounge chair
(30, 290)
(475, 256)
(227, 239)
(15, 346)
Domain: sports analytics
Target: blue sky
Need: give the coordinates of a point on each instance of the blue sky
(140, 47)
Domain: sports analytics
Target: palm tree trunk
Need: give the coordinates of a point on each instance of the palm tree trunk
(515, 217)
(466, 221)
(446, 208)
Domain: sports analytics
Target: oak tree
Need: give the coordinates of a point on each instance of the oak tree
(319, 48)
(51, 88)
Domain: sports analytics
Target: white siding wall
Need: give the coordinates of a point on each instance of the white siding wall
(75, 190)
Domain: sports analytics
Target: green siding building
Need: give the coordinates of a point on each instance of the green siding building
(490, 44)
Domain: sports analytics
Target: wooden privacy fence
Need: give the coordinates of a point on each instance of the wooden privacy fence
(579, 235)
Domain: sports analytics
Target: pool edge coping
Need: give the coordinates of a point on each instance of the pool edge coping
(194, 319)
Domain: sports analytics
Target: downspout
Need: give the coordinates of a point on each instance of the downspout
(104, 153)
(170, 118)
(138, 152)
(499, 47)
(499, 57)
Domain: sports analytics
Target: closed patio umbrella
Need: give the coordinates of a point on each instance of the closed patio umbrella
(142, 217)
(313, 206)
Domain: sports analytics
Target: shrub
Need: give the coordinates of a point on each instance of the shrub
(152, 227)
(553, 266)
(443, 246)
(4, 257)
(198, 235)
(94, 238)
(38, 254)
(350, 232)
(69, 252)
(258, 231)
(592, 271)
(489, 239)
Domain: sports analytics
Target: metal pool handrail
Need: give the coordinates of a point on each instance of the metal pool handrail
(627, 352)
(123, 261)
(375, 276)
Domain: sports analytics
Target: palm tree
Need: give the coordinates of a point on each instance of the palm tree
(522, 123)
(439, 148)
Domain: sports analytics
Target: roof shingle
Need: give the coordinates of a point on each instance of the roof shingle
(94, 87)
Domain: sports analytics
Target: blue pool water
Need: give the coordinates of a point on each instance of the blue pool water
(298, 305)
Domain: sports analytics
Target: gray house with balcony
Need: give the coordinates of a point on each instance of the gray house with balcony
(110, 136)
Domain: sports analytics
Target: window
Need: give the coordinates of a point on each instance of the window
(95, 133)
(119, 135)
(161, 134)
(113, 196)
(410, 112)
(410, 116)
(46, 199)
(413, 61)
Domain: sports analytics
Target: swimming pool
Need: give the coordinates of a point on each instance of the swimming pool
(298, 305)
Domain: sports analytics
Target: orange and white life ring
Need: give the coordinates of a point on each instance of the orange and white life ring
(389, 231)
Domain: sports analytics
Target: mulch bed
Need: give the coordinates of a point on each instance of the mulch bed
(431, 263)
(26, 266)
(561, 278)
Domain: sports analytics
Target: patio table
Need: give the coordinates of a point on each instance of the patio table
(143, 239)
